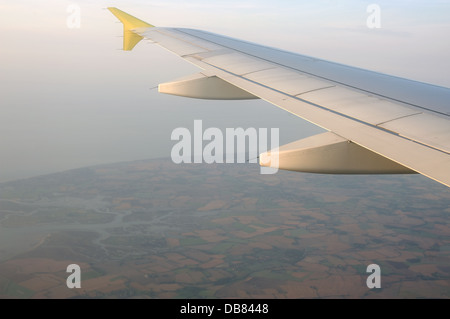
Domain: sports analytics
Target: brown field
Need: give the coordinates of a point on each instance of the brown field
(230, 234)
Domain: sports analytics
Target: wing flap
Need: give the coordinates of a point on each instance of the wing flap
(238, 63)
(179, 43)
(288, 81)
(358, 105)
(171, 43)
(429, 129)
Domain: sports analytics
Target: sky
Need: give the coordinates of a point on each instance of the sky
(69, 97)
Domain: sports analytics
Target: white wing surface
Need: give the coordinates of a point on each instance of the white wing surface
(377, 123)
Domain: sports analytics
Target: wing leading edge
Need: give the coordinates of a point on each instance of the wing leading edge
(378, 124)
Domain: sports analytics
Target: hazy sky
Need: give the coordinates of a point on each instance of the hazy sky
(71, 98)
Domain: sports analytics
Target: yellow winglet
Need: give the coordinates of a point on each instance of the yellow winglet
(130, 39)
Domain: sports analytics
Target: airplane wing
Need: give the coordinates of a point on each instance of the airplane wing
(376, 123)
